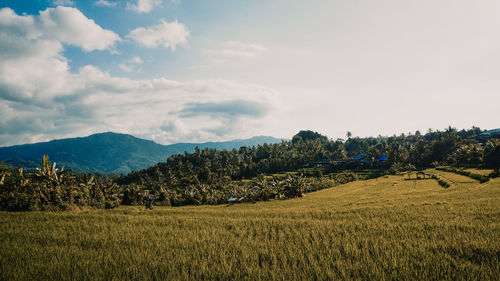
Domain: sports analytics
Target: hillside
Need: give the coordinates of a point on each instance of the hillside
(109, 152)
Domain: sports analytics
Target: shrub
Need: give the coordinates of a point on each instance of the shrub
(293, 186)
(442, 182)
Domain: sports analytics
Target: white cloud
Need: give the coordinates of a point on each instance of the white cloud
(125, 67)
(63, 2)
(70, 26)
(60, 25)
(105, 3)
(28, 53)
(130, 64)
(144, 6)
(41, 100)
(32, 69)
(167, 34)
(136, 60)
(247, 47)
(234, 49)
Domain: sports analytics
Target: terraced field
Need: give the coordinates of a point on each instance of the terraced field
(457, 180)
(384, 228)
(483, 172)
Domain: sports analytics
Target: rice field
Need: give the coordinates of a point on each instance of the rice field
(457, 180)
(379, 229)
(483, 172)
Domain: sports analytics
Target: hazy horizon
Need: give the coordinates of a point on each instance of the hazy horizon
(187, 71)
(251, 137)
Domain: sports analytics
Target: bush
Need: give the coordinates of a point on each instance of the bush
(345, 177)
(293, 186)
(52, 189)
(10, 201)
(442, 182)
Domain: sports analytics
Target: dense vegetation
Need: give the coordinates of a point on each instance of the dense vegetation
(450, 147)
(380, 229)
(213, 170)
(108, 152)
(52, 189)
(211, 176)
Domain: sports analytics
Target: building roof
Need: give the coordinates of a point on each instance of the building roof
(491, 132)
(323, 161)
(235, 199)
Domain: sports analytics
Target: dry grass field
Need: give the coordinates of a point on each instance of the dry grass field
(379, 229)
(483, 172)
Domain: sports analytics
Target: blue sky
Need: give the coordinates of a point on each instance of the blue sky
(195, 71)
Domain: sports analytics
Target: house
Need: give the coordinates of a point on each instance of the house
(360, 157)
(352, 163)
(382, 158)
(349, 163)
(324, 161)
(488, 135)
(234, 199)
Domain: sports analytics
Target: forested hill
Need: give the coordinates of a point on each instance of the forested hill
(405, 152)
(308, 162)
(109, 152)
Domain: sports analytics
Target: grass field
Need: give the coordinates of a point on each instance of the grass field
(457, 180)
(379, 229)
(483, 172)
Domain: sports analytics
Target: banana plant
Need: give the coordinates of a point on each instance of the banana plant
(48, 171)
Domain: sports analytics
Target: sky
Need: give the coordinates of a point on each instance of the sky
(196, 71)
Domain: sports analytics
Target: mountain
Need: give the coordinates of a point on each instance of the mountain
(109, 152)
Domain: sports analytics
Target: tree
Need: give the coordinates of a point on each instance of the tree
(419, 154)
(492, 155)
(308, 135)
(398, 154)
(5, 172)
(355, 146)
(293, 186)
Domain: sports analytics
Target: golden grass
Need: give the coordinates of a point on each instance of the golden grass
(384, 228)
(458, 180)
(483, 172)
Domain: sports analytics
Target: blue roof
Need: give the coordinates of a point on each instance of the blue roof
(491, 132)
(382, 158)
(361, 156)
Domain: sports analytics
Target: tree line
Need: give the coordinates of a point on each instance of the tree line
(210, 176)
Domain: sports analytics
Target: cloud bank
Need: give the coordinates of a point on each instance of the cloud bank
(166, 34)
(58, 25)
(40, 99)
(235, 49)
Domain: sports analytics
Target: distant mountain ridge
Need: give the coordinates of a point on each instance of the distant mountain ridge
(109, 152)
